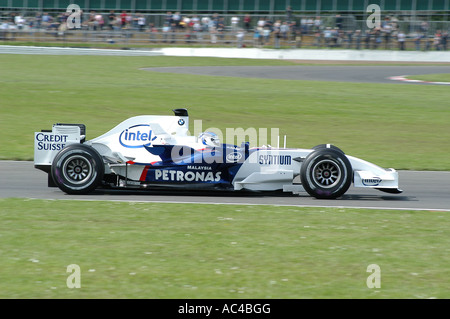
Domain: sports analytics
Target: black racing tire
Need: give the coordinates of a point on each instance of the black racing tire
(329, 146)
(326, 173)
(77, 169)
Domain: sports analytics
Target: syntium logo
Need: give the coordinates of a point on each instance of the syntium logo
(137, 136)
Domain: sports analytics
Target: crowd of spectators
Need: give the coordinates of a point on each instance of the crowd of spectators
(243, 30)
(388, 36)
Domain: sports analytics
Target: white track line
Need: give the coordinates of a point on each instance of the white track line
(250, 204)
(405, 79)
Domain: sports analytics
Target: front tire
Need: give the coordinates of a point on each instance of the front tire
(326, 173)
(77, 169)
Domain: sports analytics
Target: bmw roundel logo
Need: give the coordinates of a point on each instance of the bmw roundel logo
(181, 122)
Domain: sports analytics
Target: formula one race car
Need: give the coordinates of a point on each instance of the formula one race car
(153, 151)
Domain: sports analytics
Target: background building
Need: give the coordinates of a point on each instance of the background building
(232, 6)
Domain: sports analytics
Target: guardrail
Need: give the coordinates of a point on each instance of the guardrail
(131, 38)
(124, 38)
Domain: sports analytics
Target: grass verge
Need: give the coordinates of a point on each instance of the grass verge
(149, 250)
(401, 126)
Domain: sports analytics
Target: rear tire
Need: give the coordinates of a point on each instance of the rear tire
(326, 173)
(77, 169)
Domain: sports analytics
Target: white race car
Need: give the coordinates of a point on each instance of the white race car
(154, 151)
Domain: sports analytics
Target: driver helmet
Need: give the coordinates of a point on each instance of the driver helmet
(209, 139)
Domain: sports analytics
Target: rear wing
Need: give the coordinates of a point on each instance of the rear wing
(48, 143)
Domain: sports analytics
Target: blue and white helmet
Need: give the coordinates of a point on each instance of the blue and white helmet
(209, 139)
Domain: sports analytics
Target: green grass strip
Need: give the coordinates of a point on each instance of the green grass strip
(149, 250)
(401, 126)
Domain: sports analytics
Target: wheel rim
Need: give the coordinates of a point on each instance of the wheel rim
(77, 169)
(326, 173)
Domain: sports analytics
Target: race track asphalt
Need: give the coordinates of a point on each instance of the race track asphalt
(422, 191)
(337, 73)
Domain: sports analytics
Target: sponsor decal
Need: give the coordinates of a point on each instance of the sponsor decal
(181, 122)
(374, 181)
(200, 168)
(275, 160)
(136, 136)
(233, 157)
(50, 142)
(188, 176)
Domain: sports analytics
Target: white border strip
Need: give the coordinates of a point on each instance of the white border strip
(250, 53)
(405, 79)
(10, 49)
(247, 204)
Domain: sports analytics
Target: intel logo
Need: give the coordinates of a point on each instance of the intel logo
(374, 181)
(136, 136)
(234, 157)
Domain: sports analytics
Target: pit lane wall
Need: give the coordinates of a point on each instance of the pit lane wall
(249, 53)
(311, 54)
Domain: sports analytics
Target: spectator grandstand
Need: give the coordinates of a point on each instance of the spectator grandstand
(405, 24)
(270, 7)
